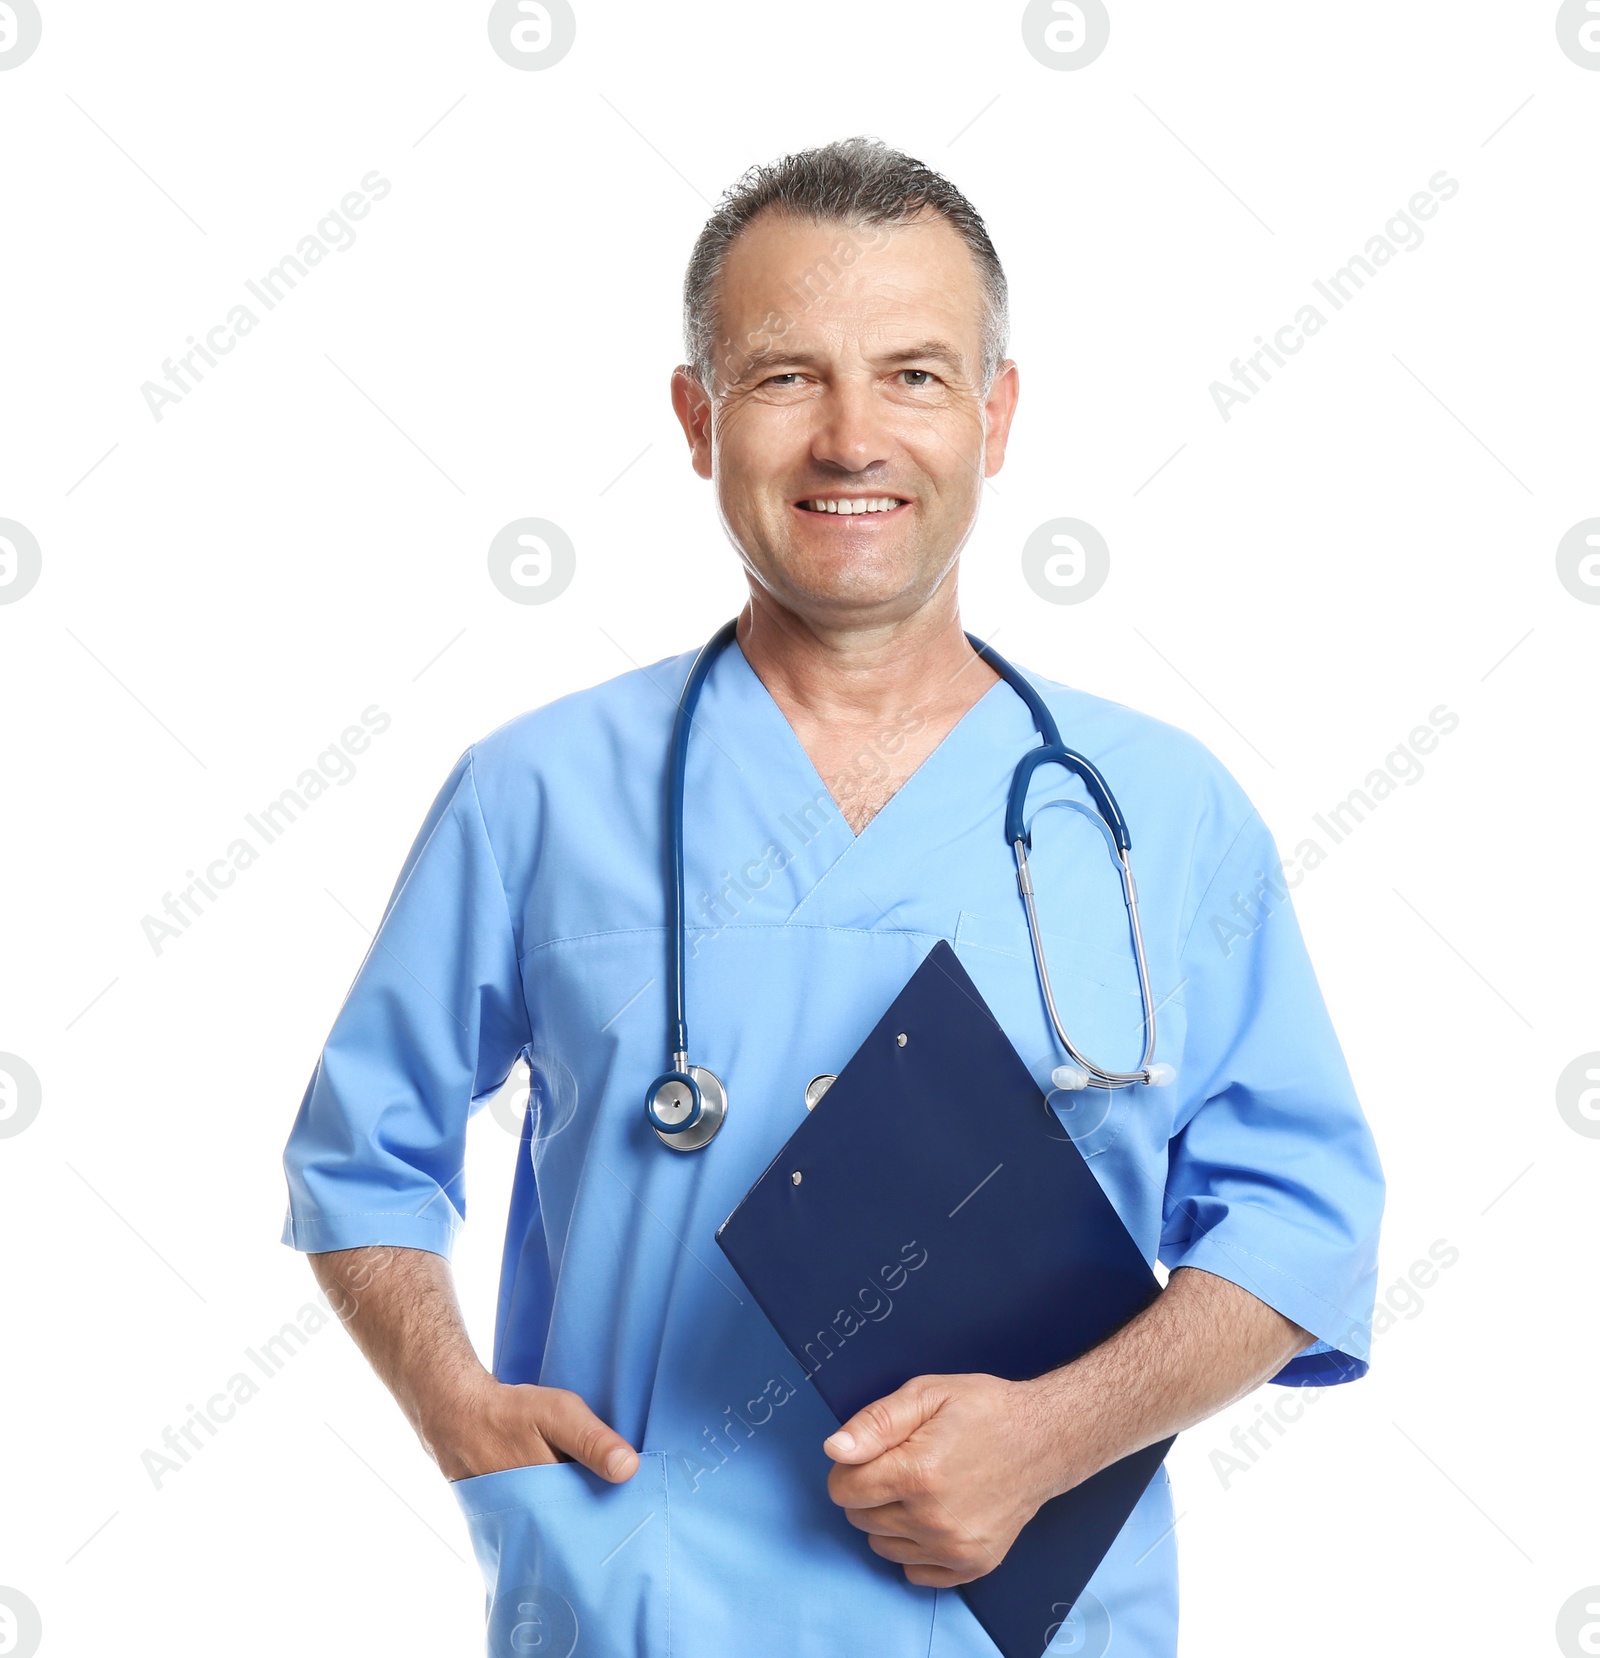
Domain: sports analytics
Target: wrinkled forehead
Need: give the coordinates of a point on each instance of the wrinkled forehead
(842, 287)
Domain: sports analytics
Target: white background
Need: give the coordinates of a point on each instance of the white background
(302, 536)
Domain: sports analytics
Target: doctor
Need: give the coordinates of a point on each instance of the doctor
(645, 1468)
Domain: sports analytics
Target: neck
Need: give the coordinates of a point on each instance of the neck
(852, 674)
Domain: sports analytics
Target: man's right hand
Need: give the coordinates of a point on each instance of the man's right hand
(502, 1425)
(400, 1306)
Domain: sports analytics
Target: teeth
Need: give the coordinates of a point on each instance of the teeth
(874, 503)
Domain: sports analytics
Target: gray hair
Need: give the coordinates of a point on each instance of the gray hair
(857, 181)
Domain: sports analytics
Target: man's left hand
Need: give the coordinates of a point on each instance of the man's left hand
(944, 1472)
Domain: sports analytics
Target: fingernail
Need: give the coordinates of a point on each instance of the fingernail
(617, 1463)
(841, 1442)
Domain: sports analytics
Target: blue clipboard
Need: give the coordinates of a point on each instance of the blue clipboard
(943, 1223)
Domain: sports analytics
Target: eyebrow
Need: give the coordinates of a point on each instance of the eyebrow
(939, 351)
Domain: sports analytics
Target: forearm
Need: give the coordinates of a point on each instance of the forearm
(400, 1306)
(1200, 1345)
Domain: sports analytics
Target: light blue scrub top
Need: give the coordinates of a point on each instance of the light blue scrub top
(530, 920)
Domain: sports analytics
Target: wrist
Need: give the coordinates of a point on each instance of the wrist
(1069, 1439)
(448, 1410)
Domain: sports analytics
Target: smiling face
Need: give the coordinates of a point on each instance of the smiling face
(849, 432)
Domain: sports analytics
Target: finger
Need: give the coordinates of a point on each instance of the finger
(903, 1551)
(885, 1423)
(891, 1520)
(922, 1567)
(569, 1425)
(938, 1577)
(897, 1474)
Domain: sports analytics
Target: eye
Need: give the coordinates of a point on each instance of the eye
(791, 376)
(921, 377)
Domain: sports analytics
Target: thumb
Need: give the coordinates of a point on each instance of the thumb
(569, 1425)
(883, 1424)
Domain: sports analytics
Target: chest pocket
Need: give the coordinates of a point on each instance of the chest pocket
(1097, 995)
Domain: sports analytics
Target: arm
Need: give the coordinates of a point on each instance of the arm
(943, 1473)
(400, 1306)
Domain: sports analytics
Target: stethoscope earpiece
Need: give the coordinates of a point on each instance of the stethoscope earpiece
(1070, 1079)
(1073, 1079)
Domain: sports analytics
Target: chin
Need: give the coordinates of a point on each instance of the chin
(849, 592)
(894, 579)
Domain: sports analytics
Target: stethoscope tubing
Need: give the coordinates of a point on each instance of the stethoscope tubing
(1055, 752)
(1052, 751)
(1098, 1076)
(682, 721)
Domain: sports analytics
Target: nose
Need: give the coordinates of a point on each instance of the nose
(851, 431)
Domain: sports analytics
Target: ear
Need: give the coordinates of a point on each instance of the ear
(998, 408)
(693, 409)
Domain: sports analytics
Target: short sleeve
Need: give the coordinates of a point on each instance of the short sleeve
(1273, 1179)
(434, 1021)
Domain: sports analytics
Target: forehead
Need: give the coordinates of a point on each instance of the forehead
(840, 279)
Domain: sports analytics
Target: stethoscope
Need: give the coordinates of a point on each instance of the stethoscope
(688, 1104)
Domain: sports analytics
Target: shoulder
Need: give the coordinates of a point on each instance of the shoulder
(643, 696)
(586, 737)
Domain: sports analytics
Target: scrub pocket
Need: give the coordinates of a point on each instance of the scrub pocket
(575, 1567)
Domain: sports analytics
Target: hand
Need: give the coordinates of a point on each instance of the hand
(944, 1472)
(500, 1425)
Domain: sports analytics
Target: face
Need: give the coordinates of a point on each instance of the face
(850, 377)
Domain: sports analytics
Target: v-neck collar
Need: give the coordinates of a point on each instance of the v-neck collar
(805, 865)
(931, 763)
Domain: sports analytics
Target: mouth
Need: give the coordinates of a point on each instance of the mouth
(856, 508)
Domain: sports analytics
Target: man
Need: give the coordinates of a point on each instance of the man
(645, 1453)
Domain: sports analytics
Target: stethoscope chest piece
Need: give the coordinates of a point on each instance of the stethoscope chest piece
(687, 1108)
